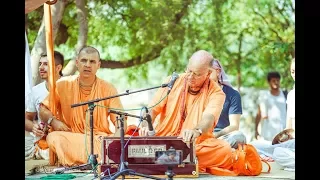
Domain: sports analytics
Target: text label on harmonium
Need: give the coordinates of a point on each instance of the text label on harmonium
(144, 151)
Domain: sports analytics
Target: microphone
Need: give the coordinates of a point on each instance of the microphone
(174, 77)
(151, 131)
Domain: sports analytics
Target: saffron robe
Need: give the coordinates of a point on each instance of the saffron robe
(73, 148)
(214, 155)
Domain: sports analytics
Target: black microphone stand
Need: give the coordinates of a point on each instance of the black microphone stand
(92, 160)
(123, 168)
(93, 157)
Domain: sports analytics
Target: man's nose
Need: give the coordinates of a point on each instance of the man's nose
(190, 75)
(87, 64)
(41, 66)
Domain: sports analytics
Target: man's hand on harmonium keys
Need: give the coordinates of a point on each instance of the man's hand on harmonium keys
(190, 135)
(144, 131)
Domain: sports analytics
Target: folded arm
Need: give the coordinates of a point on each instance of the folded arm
(46, 115)
(234, 120)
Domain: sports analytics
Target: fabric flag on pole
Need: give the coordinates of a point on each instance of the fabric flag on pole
(28, 72)
(50, 56)
(51, 78)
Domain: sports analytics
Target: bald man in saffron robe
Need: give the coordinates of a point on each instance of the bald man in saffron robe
(70, 140)
(191, 111)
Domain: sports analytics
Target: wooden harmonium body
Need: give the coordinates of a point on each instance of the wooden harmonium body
(140, 155)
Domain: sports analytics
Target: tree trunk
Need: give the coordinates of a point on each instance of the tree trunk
(82, 37)
(57, 11)
(238, 60)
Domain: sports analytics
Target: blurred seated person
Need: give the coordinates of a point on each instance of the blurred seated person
(229, 121)
(35, 137)
(281, 149)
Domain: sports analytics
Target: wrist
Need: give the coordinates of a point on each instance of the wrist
(51, 120)
(217, 134)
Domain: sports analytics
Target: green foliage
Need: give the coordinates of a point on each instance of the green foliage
(249, 37)
(33, 21)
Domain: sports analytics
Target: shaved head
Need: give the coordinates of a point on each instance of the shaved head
(199, 69)
(88, 50)
(201, 59)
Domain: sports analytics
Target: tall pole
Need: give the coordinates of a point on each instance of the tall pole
(51, 72)
(50, 47)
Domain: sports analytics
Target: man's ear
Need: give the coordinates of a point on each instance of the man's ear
(77, 63)
(209, 72)
(59, 67)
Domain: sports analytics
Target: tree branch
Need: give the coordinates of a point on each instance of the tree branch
(124, 17)
(153, 54)
(251, 51)
(265, 20)
(57, 11)
(82, 17)
(284, 17)
(292, 8)
(111, 64)
(239, 58)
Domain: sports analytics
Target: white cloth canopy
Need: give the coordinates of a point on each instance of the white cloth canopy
(28, 72)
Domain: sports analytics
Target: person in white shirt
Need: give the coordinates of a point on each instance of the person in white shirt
(282, 155)
(283, 151)
(291, 100)
(272, 109)
(33, 128)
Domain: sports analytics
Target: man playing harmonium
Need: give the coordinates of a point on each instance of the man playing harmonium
(191, 111)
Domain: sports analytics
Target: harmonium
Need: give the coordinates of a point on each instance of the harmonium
(140, 156)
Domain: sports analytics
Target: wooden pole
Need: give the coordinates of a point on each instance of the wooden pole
(51, 72)
(50, 56)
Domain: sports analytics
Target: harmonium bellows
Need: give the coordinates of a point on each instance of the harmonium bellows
(140, 155)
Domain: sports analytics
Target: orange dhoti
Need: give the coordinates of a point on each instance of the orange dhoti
(214, 156)
(73, 148)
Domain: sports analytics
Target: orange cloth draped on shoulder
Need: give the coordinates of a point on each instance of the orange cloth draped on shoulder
(180, 110)
(74, 147)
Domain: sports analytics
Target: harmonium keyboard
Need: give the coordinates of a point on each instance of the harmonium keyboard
(140, 156)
